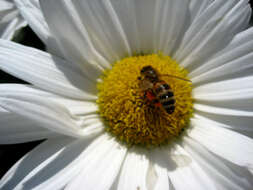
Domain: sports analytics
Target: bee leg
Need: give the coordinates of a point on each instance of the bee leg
(156, 103)
(146, 99)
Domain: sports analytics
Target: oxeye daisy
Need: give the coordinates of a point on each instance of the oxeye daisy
(134, 95)
(10, 19)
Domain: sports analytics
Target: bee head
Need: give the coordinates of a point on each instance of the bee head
(148, 72)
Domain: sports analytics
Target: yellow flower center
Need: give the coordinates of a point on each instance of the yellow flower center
(137, 115)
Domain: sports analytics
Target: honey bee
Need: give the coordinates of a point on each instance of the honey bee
(157, 91)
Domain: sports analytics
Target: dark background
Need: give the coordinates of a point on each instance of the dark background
(9, 154)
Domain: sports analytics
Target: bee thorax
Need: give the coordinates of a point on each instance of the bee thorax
(145, 85)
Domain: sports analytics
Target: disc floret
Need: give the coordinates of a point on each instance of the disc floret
(127, 114)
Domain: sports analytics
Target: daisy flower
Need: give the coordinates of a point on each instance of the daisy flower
(10, 19)
(133, 95)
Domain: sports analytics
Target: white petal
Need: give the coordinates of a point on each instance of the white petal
(3, 111)
(251, 170)
(134, 171)
(7, 11)
(130, 22)
(157, 177)
(77, 158)
(6, 5)
(246, 133)
(227, 61)
(102, 19)
(17, 129)
(10, 20)
(197, 7)
(31, 11)
(238, 123)
(154, 25)
(151, 177)
(212, 31)
(73, 37)
(75, 107)
(42, 163)
(104, 167)
(162, 178)
(222, 110)
(231, 97)
(143, 15)
(40, 109)
(234, 89)
(8, 29)
(184, 172)
(170, 22)
(44, 71)
(227, 144)
(37, 158)
(225, 175)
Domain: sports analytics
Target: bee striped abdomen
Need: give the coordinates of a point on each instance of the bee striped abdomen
(165, 96)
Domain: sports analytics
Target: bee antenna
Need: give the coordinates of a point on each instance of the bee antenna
(187, 80)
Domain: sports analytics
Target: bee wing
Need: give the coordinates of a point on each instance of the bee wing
(172, 76)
